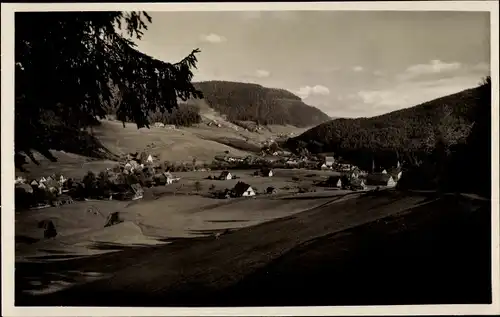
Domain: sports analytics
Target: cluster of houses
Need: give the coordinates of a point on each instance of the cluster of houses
(162, 125)
(242, 189)
(123, 182)
(356, 179)
(50, 190)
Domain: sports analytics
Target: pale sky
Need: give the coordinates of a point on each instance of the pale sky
(348, 64)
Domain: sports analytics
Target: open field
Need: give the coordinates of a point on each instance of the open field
(348, 246)
(177, 145)
(171, 211)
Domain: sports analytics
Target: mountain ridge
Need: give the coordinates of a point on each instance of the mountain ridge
(406, 134)
(240, 101)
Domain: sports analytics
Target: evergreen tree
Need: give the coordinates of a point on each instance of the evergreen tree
(71, 67)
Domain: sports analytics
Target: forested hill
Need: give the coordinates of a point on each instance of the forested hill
(408, 134)
(253, 102)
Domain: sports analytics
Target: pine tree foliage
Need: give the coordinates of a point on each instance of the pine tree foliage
(73, 66)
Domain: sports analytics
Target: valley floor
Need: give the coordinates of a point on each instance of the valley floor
(374, 248)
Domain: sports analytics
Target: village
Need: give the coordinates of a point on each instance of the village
(136, 172)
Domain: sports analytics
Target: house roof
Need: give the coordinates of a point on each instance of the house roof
(137, 188)
(241, 187)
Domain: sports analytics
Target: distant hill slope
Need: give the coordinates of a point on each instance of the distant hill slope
(252, 102)
(407, 133)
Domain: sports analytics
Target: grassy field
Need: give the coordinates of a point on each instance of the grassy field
(177, 145)
(173, 211)
(340, 252)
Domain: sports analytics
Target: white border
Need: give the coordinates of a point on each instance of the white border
(8, 165)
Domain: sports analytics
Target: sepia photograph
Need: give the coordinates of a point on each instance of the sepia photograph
(251, 156)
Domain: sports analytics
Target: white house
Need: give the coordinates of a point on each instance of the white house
(225, 176)
(266, 172)
(62, 179)
(20, 180)
(243, 190)
(329, 161)
(168, 177)
(384, 172)
(149, 159)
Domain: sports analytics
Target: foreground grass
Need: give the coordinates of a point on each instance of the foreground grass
(384, 248)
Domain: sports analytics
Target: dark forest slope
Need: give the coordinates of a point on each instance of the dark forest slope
(409, 133)
(252, 102)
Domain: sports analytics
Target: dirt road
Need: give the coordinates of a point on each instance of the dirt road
(340, 253)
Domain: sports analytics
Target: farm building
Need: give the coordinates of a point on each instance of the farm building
(138, 191)
(266, 172)
(358, 184)
(164, 179)
(380, 179)
(20, 180)
(53, 186)
(334, 181)
(242, 189)
(396, 173)
(271, 190)
(159, 125)
(225, 175)
(354, 173)
(329, 161)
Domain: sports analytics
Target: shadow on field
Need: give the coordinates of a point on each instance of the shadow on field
(434, 253)
(417, 258)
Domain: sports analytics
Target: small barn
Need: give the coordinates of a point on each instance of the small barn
(138, 191)
(271, 190)
(242, 189)
(225, 175)
(164, 179)
(329, 161)
(380, 179)
(266, 172)
(20, 180)
(396, 173)
(358, 184)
